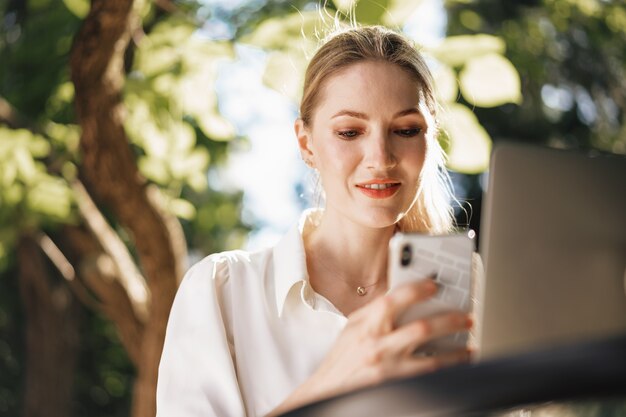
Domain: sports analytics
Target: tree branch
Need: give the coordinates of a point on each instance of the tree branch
(100, 273)
(127, 273)
(67, 271)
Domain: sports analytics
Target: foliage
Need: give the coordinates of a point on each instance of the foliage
(571, 57)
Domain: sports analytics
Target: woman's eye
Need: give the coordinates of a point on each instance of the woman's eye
(348, 134)
(409, 133)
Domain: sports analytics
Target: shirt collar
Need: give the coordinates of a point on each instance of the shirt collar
(290, 258)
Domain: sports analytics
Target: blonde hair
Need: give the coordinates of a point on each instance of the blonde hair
(431, 212)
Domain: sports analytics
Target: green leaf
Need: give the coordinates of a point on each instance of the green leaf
(399, 11)
(457, 50)
(154, 169)
(182, 209)
(371, 12)
(51, 197)
(445, 84)
(216, 127)
(25, 165)
(490, 80)
(344, 6)
(198, 181)
(79, 8)
(67, 135)
(13, 194)
(470, 144)
(8, 171)
(182, 166)
(285, 73)
(183, 138)
(293, 32)
(174, 31)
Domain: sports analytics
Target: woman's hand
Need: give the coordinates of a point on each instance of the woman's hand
(371, 349)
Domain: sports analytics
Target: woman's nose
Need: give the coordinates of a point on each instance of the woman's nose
(379, 152)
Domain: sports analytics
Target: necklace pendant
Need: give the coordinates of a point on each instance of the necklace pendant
(361, 291)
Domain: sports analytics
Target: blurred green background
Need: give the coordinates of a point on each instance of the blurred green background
(98, 223)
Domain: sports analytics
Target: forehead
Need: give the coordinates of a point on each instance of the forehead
(369, 86)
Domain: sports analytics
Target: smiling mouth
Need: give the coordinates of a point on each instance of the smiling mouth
(379, 186)
(379, 190)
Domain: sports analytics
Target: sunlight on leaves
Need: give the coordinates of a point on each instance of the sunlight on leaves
(457, 50)
(183, 165)
(8, 173)
(13, 139)
(294, 32)
(198, 181)
(13, 194)
(490, 80)
(174, 31)
(154, 169)
(182, 208)
(292, 40)
(217, 127)
(399, 11)
(445, 84)
(185, 138)
(470, 144)
(79, 8)
(588, 7)
(158, 61)
(344, 6)
(51, 197)
(26, 167)
(285, 73)
(67, 135)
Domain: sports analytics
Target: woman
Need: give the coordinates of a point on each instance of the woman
(265, 332)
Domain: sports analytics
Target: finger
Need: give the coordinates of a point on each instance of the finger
(405, 295)
(406, 339)
(415, 365)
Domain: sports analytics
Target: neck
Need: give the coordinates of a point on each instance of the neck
(342, 256)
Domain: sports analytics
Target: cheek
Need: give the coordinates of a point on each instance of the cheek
(336, 157)
(414, 155)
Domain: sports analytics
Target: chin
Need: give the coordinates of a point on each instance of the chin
(380, 219)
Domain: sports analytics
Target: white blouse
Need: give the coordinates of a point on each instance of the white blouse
(245, 330)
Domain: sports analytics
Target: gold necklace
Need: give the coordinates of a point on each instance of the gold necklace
(361, 290)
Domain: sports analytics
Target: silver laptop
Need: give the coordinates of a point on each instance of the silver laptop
(553, 243)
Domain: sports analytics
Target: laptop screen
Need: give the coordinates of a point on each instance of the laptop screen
(553, 242)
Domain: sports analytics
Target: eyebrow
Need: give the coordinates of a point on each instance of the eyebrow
(359, 115)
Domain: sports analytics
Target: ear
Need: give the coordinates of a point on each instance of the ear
(305, 142)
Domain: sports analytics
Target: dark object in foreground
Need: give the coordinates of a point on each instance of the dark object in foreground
(589, 370)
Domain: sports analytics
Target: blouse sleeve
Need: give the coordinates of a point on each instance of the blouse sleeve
(197, 375)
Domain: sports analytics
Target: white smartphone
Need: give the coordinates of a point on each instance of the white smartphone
(445, 258)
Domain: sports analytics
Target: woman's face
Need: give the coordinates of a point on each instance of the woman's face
(367, 139)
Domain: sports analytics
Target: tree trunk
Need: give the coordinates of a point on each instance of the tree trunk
(110, 173)
(51, 313)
